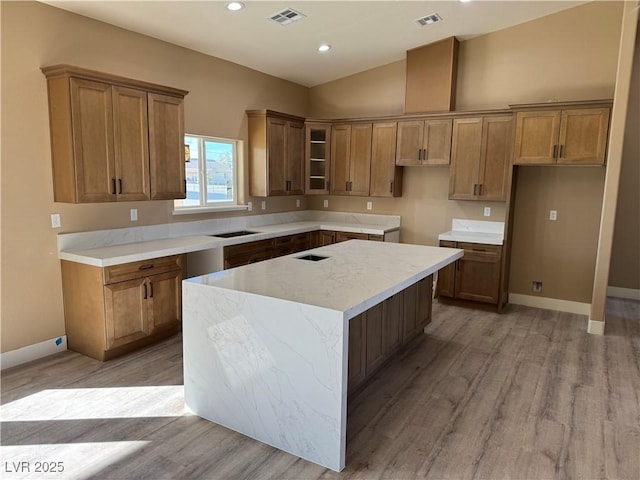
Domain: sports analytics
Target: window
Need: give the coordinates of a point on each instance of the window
(211, 173)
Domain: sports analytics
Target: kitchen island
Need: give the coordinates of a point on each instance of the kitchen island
(267, 348)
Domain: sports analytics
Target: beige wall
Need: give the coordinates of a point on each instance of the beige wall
(570, 55)
(625, 256)
(36, 35)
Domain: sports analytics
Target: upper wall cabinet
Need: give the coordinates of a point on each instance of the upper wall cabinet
(386, 176)
(424, 142)
(351, 158)
(111, 140)
(571, 133)
(318, 158)
(276, 153)
(481, 154)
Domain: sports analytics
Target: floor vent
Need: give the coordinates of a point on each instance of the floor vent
(287, 16)
(429, 19)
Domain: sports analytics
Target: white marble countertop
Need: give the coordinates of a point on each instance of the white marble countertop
(474, 231)
(356, 275)
(136, 251)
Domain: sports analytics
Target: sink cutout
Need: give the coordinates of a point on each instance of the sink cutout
(233, 234)
(312, 258)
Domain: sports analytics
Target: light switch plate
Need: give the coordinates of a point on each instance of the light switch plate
(263, 205)
(250, 206)
(55, 220)
(553, 215)
(487, 211)
(326, 203)
(369, 205)
(134, 214)
(297, 202)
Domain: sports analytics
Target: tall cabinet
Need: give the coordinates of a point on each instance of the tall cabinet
(114, 138)
(351, 158)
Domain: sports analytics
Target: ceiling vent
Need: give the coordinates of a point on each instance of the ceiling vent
(429, 19)
(285, 17)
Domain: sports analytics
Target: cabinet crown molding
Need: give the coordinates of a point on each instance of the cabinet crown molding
(63, 70)
(556, 105)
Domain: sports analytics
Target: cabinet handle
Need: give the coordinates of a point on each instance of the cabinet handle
(288, 187)
(120, 185)
(475, 188)
(328, 184)
(555, 151)
(151, 289)
(419, 154)
(145, 267)
(350, 186)
(391, 187)
(481, 189)
(561, 155)
(145, 291)
(113, 186)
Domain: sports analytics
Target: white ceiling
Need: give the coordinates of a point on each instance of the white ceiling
(363, 34)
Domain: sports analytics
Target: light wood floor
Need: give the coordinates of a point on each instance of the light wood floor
(524, 395)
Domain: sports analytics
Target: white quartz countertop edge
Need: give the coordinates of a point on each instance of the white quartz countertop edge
(132, 252)
(472, 237)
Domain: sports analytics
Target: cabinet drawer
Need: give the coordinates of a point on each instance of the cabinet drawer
(376, 238)
(344, 236)
(481, 252)
(143, 268)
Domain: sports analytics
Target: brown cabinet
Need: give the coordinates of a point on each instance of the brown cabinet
(424, 142)
(247, 253)
(276, 153)
(476, 276)
(113, 310)
(109, 139)
(351, 159)
(481, 152)
(321, 238)
(318, 158)
(571, 136)
(386, 176)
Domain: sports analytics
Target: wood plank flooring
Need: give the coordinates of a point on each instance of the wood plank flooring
(524, 395)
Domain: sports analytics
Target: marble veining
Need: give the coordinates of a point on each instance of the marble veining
(474, 231)
(266, 345)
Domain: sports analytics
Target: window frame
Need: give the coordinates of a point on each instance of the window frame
(203, 204)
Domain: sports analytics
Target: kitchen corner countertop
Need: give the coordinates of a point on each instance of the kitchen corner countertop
(136, 251)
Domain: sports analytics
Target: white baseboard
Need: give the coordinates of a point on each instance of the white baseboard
(550, 303)
(619, 292)
(33, 352)
(595, 327)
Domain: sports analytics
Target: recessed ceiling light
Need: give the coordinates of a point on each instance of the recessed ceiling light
(235, 6)
(324, 47)
(464, 1)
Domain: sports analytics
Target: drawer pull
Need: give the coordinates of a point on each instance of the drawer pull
(145, 291)
(151, 290)
(146, 267)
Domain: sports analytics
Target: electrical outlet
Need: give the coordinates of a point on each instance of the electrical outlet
(297, 203)
(263, 205)
(249, 206)
(134, 214)
(55, 220)
(553, 215)
(487, 211)
(536, 287)
(369, 205)
(326, 203)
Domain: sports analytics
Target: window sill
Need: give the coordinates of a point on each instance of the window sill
(222, 208)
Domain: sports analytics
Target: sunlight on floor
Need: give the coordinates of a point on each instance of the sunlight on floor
(60, 461)
(95, 403)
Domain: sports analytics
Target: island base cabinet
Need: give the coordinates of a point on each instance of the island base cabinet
(376, 335)
(113, 310)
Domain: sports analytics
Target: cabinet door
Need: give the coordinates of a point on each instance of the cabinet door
(276, 151)
(376, 338)
(324, 237)
(478, 275)
(465, 162)
(583, 136)
(423, 307)
(165, 301)
(495, 158)
(410, 326)
(340, 152)
(437, 142)
(294, 174)
(409, 144)
(445, 285)
(386, 177)
(166, 147)
(92, 117)
(131, 143)
(126, 310)
(393, 312)
(536, 139)
(357, 352)
(360, 159)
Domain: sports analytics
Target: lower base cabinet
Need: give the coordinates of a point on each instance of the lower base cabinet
(112, 310)
(476, 276)
(379, 333)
